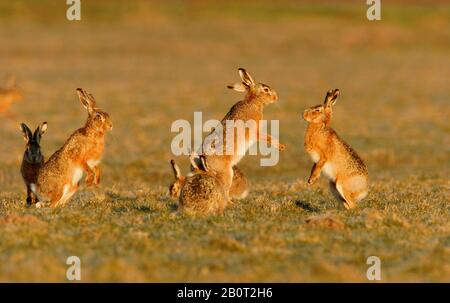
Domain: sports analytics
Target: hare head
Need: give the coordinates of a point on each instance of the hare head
(322, 113)
(253, 90)
(98, 120)
(33, 153)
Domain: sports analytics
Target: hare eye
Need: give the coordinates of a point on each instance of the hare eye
(266, 89)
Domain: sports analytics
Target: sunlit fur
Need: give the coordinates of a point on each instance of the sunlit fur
(257, 96)
(240, 186)
(348, 175)
(200, 193)
(58, 179)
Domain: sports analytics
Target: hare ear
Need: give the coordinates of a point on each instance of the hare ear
(204, 164)
(176, 170)
(86, 99)
(27, 135)
(239, 87)
(246, 78)
(40, 131)
(331, 97)
(192, 159)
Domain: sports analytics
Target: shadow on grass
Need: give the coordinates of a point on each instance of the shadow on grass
(306, 206)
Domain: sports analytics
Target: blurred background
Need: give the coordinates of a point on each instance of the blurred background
(149, 63)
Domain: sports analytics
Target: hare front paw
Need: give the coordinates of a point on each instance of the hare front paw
(312, 180)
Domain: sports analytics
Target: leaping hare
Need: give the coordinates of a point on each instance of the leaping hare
(32, 158)
(59, 177)
(250, 109)
(9, 94)
(349, 179)
(200, 193)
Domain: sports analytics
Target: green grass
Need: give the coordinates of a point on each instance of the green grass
(149, 67)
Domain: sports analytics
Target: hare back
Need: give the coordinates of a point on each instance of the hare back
(202, 193)
(244, 110)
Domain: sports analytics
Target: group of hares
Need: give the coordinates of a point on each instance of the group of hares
(214, 179)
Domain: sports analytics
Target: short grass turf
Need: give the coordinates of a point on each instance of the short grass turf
(150, 63)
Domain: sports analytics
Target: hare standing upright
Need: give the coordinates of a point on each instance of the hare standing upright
(349, 179)
(202, 192)
(9, 94)
(59, 177)
(32, 158)
(250, 112)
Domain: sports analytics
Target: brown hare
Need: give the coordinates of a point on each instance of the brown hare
(200, 193)
(59, 177)
(349, 179)
(239, 187)
(9, 94)
(32, 158)
(250, 109)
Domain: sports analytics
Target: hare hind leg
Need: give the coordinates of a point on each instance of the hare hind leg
(29, 196)
(344, 195)
(67, 193)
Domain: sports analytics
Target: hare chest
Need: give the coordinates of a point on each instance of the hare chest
(329, 171)
(241, 150)
(314, 156)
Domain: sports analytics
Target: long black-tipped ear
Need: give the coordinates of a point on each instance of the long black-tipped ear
(40, 130)
(27, 135)
(246, 78)
(331, 97)
(239, 87)
(176, 169)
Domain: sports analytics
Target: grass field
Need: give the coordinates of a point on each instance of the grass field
(149, 64)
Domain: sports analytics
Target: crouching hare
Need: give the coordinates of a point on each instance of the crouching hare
(239, 187)
(349, 179)
(32, 158)
(200, 193)
(59, 177)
